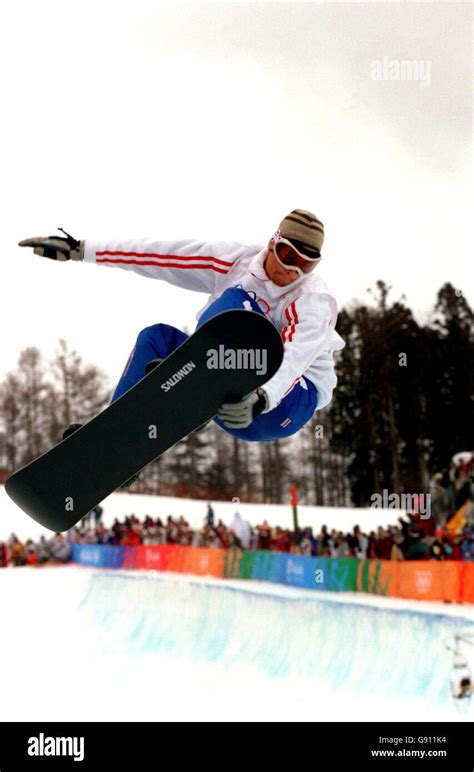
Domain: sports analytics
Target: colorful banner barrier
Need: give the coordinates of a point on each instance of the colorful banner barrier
(450, 581)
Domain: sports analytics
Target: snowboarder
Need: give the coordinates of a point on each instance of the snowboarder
(278, 280)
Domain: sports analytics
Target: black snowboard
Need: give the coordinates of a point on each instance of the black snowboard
(183, 392)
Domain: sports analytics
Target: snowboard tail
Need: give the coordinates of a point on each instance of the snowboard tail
(185, 391)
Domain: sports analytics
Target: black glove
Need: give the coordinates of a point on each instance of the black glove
(56, 247)
(239, 415)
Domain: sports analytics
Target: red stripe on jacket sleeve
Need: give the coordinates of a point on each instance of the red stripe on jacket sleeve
(162, 265)
(158, 256)
(296, 320)
(287, 326)
(289, 329)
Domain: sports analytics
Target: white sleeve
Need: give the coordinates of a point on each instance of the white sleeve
(305, 336)
(188, 264)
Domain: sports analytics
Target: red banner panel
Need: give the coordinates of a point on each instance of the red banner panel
(153, 557)
(173, 557)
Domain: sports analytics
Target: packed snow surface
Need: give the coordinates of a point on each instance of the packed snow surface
(81, 644)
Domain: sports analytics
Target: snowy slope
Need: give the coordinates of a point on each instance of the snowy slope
(148, 646)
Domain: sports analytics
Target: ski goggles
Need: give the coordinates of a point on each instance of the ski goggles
(291, 258)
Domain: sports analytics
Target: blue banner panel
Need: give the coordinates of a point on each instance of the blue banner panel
(300, 571)
(269, 566)
(322, 574)
(98, 555)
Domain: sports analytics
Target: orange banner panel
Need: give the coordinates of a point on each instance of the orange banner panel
(430, 580)
(177, 558)
(204, 561)
(467, 583)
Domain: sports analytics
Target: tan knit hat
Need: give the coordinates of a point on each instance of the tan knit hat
(305, 230)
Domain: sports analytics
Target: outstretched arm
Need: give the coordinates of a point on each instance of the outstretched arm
(188, 264)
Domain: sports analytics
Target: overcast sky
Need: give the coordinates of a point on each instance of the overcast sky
(213, 120)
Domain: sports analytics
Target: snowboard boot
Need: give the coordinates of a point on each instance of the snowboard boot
(70, 430)
(73, 428)
(151, 365)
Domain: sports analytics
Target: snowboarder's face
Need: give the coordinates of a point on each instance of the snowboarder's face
(276, 272)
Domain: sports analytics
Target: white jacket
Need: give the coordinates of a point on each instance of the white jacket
(304, 311)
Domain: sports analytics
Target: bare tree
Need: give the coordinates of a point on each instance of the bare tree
(80, 388)
(10, 412)
(31, 394)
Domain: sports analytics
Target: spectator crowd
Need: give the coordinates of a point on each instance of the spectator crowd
(14, 552)
(411, 539)
(451, 488)
(446, 534)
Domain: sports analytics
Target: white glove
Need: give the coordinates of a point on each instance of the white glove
(56, 247)
(239, 415)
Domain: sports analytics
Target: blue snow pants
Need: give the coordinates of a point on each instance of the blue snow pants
(159, 340)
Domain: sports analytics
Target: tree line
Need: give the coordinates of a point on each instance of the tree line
(403, 406)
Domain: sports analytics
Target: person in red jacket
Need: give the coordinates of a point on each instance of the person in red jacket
(384, 544)
(132, 537)
(32, 557)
